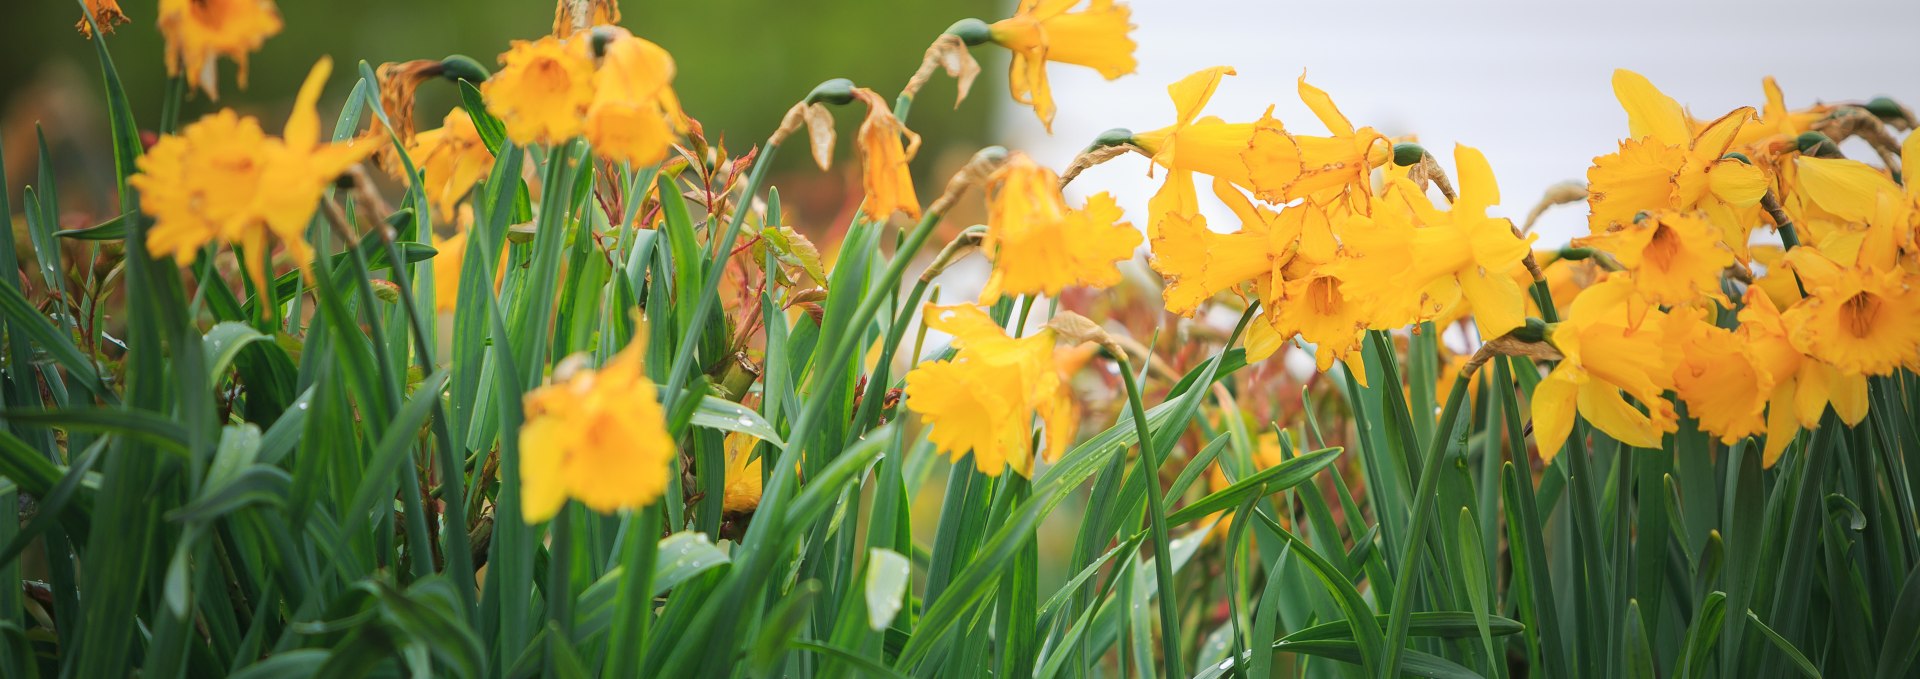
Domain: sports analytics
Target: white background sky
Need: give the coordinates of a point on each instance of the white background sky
(1527, 82)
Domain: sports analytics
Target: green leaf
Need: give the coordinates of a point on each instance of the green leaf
(718, 413)
(887, 576)
(683, 555)
(1266, 482)
(112, 229)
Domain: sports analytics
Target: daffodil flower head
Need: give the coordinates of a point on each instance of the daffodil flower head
(986, 398)
(1049, 30)
(597, 436)
(1861, 195)
(1668, 164)
(1721, 378)
(1282, 166)
(1677, 257)
(543, 89)
(1860, 319)
(1313, 305)
(883, 159)
(1613, 347)
(1038, 245)
(634, 116)
(222, 179)
(452, 159)
(1802, 387)
(199, 31)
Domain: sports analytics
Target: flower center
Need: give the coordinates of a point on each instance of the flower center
(1664, 248)
(1858, 313)
(1324, 294)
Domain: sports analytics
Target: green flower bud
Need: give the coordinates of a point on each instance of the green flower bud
(838, 91)
(1408, 154)
(971, 31)
(1817, 145)
(463, 67)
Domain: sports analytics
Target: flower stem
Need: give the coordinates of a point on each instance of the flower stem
(1416, 538)
(1157, 516)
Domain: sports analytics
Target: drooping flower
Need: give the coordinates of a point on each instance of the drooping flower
(985, 398)
(1283, 166)
(1860, 194)
(1208, 146)
(1666, 164)
(1676, 258)
(1606, 356)
(223, 179)
(1802, 387)
(597, 436)
(634, 115)
(883, 159)
(452, 158)
(1411, 261)
(106, 13)
(1720, 378)
(1039, 246)
(542, 90)
(1861, 320)
(198, 31)
(1047, 30)
(571, 16)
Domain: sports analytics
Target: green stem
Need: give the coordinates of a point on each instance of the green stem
(1157, 514)
(1414, 542)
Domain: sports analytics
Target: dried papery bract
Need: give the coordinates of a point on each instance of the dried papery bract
(573, 16)
(106, 14)
(820, 133)
(949, 53)
(398, 83)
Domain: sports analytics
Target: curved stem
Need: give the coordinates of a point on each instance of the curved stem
(1157, 517)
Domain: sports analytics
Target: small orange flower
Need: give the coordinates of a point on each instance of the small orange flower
(1045, 30)
(883, 160)
(197, 31)
(597, 436)
(986, 398)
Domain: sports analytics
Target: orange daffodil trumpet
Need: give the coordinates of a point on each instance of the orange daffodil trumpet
(1053, 30)
(597, 436)
(1038, 245)
(222, 179)
(551, 90)
(199, 31)
(986, 398)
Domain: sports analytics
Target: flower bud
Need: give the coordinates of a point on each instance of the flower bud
(837, 91)
(1407, 154)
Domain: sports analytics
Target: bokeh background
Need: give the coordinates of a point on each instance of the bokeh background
(1525, 81)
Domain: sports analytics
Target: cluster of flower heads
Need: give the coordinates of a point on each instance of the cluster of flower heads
(1338, 235)
(1674, 211)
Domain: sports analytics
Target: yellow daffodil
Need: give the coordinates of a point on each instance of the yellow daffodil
(1676, 258)
(986, 397)
(1721, 379)
(1412, 261)
(542, 90)
(743, 477)
(223, 179)
(1862, 320)
(1666, 163)
(1048, 30)
(1776, 122)
(451, 158)
(106, 13)
(634, 115)
(1313, 305)
(571, 16)
(198, 31)
(1775, 278)
(1802, 387)
(883, 160)
(1199, 263)
(1283, 166)
(446, 269)
(1039, 246)
(597, 436)
(1605, 355)
(1193, 144)
(1861, 194)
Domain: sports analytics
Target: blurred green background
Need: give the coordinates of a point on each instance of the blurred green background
(741, 64)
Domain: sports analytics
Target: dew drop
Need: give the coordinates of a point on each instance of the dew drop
(746, 421)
